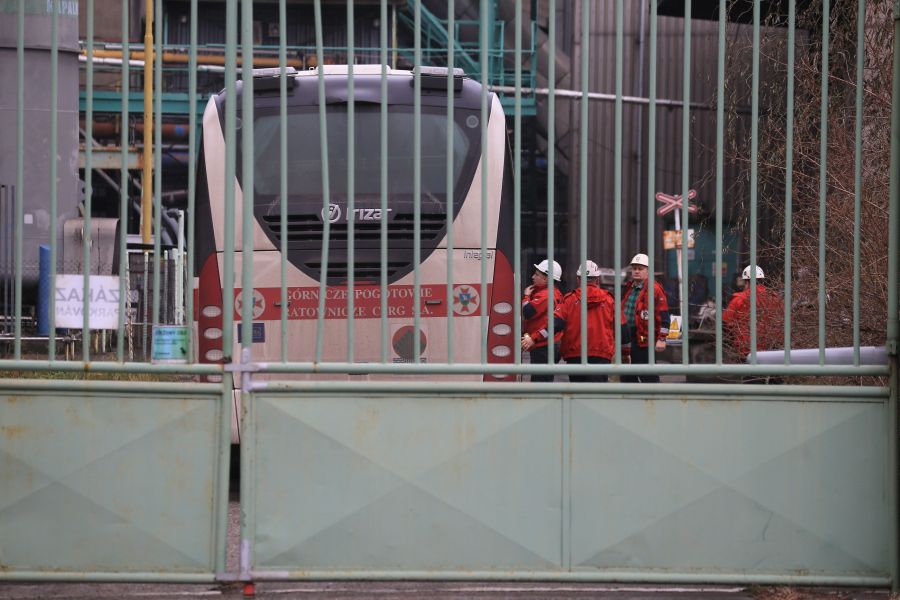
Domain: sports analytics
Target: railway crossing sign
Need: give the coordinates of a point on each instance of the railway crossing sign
(670, 202)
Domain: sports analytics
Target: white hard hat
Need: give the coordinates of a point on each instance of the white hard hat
(557, 270)
(592, 269)
(759, 273)
(641, 259)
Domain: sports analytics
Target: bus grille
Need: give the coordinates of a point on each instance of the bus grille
(309, 229)
(364, 272)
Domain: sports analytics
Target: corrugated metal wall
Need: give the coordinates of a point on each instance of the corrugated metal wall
(635, 144)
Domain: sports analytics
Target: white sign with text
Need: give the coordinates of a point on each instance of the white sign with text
(103, 301)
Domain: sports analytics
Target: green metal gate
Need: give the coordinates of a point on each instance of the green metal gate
(387, 469)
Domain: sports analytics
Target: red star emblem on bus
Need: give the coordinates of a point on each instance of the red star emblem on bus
(465, 300)
(259, 303)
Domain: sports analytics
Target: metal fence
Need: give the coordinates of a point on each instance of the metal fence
(538, 472)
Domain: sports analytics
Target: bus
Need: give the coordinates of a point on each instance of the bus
(306, 220)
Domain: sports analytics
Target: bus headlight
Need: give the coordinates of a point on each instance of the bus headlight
(503, 308)
(501, 351)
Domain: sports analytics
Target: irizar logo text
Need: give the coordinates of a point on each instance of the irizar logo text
(359, 214)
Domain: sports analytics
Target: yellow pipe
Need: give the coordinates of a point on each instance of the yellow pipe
(147, 180)
(202, 59)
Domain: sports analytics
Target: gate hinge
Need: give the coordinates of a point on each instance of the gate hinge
(891, 345)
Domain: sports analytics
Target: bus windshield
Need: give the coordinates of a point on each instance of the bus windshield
(304, 153)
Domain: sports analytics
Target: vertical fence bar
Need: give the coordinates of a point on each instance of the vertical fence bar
(20, 170)
(224, 464)
(582, 169)
(857, 168)
(789, 180)
(282, 171)
(192, 171)
(326, 191)
(248, 517)
(651, 196)
(123, 186)
(88, 186)
(146, 158)
(351, 181)
(685, 185)
(451, 55)
(247, 184)
(551, 184)
(617, 176)
(517, 192)
(483, 57)
(754, 178)
(384, 182)
(157, 161)
(7, 259)
(230, 168)
(417, 182)
(893, 326)
(720, 175)
(54, 191)
(823, 175)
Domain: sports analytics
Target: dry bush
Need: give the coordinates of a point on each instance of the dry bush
(840, 174)
(808, 593)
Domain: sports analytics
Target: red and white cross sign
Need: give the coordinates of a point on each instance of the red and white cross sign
(670, 202)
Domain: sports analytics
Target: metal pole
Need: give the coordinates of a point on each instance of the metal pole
(789, 181)
(383, 139)
(351, 181)
(146, 179)
(754, 179)
(451, 26)
(551, 177)
(892, 309)
(88, 187)
(326, 190)
(123, 188)
(823, 175)
(684, 226)
(20, 171)
(651, 199)
(720, 184)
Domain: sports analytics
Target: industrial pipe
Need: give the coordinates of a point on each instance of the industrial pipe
(110, 129)
(202, 59)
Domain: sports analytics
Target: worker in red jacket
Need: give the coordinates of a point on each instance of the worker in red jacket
(535, 314)
(636, 312)
(769, 317)
(601, 333)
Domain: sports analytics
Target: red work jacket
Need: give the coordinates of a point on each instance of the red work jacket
(600, 323)
(640, 325)
(539, 301)
(769, 320)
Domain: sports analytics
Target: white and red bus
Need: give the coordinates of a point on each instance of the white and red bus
(306, 220)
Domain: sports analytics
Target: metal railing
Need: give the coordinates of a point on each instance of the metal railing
(230, 55)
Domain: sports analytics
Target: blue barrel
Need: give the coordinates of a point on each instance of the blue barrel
(43, 299)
